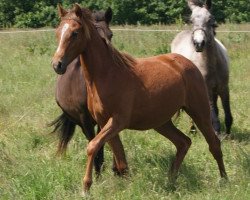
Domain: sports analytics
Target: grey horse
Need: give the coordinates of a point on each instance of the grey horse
(209, 55)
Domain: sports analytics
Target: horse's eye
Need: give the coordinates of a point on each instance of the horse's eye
(74, 34)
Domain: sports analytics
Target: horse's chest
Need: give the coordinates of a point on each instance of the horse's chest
(70, 99)
(96, 107)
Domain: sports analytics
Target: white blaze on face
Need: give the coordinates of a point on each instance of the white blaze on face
(199, 36)
(64, 29)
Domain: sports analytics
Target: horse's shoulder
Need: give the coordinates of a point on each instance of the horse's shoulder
(223, 57)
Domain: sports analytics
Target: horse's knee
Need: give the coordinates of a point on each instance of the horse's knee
(92, 148)
(185, 145)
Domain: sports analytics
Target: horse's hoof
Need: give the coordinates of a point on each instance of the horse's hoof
(85, 194)
(223, 180)
(222, 136)
(122, 173)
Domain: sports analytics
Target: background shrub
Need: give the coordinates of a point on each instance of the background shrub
(42, 13)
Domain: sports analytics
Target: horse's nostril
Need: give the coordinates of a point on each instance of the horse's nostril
(202, 43)
(59, 65)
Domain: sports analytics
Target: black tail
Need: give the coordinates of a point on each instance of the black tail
(65, 128)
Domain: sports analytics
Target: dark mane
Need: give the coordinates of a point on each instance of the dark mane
(98, 15)
(197, 2)
(121, 59)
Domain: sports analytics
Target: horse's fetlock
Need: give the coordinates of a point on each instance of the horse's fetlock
(87, 182)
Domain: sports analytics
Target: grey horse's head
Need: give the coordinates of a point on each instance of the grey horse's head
(203, 22)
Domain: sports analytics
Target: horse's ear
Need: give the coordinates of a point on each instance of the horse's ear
(61, 11)
(208, 4)
(78, 10)
(108, 15)
(193, 3)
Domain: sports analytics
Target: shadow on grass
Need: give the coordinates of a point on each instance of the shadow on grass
(188, 176)
(240, 135)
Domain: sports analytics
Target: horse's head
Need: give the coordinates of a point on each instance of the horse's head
(73, 34)
(203, 23)
(102, 20)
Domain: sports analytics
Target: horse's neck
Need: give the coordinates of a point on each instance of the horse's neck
(208, 60)
(211, 52)
(97, 61)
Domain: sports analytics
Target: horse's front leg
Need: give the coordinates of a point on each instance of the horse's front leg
(214, 110)
(109, 131)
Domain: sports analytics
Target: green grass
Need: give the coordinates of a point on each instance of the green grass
(29, 168)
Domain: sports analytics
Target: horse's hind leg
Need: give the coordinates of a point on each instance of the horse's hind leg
(120, 166)
(201, 117)
(226, 106)
(181, 142)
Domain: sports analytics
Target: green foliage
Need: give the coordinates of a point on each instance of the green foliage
(41, 13)
(238, 11)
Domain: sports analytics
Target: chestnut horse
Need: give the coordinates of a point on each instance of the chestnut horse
(71, 96)
(128, 93)
(209, 55)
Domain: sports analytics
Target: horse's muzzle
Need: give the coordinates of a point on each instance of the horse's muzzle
(59, 67)
(199, 46)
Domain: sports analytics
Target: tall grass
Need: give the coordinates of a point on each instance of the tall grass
(29, 168)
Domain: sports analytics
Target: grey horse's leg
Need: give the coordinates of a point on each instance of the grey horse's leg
(214, 109)
(215, 119)
(215, 98)
(226, 106)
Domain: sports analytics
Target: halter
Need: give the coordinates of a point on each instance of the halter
(202, 29)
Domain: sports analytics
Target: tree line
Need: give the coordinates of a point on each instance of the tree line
(41, 13)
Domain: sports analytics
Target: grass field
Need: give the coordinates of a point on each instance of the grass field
(29, 168)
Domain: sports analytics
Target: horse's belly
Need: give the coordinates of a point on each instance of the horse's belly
(158, 110)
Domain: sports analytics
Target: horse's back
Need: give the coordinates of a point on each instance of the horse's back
(168, 67)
